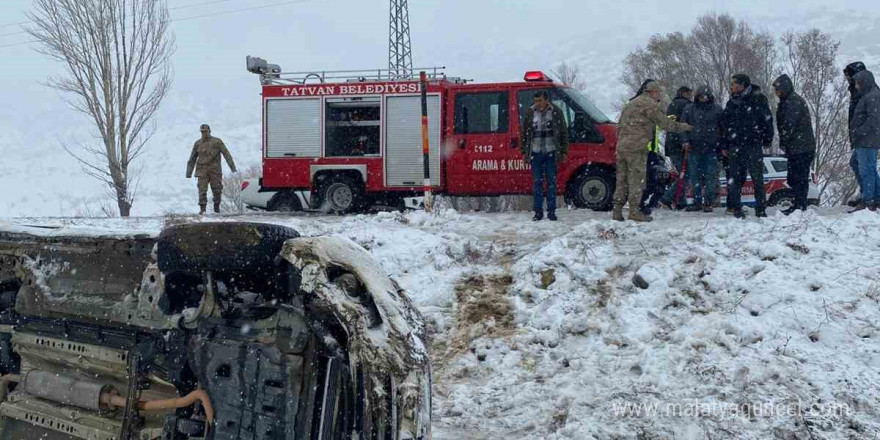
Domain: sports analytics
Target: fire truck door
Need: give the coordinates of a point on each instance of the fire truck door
(404, 159)
(483, 149)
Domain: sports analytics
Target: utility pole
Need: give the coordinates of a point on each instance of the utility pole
(429, 198)
(400, 64)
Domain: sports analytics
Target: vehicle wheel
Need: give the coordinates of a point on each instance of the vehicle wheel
(782, 199)
(593, 189)
(220, 246)
(342, 194)
(285, 202)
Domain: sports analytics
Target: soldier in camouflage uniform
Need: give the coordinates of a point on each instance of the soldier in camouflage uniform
(205, 159)
(634, 132)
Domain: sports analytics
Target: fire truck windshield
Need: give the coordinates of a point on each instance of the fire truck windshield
(587, 105)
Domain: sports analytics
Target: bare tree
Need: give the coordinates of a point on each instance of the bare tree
(231, 201)
(810, 59)
(117, 54)
(716, 48)
(570, 75)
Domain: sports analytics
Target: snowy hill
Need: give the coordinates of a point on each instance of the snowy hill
(751, 329)
(41, 179)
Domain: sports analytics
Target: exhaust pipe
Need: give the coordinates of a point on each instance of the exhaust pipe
(96, 396)
(66, 390)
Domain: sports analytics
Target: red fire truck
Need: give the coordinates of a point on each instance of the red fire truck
(341, 140)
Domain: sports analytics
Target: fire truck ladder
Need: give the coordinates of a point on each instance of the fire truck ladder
(366, 75)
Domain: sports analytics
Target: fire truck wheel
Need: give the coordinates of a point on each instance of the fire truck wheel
(343, 194)
(593, 189)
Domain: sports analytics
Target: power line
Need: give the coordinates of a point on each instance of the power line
(254, 8)
(194, 5)
(234, 11)
(14, 33)
(19, 44)
(14, 24)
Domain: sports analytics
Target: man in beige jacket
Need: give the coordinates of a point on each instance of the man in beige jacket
(634, 132)
(205, 159)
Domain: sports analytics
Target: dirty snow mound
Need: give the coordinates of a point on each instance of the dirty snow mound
(717, 328)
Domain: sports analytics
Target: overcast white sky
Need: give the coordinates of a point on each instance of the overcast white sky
(484, 40)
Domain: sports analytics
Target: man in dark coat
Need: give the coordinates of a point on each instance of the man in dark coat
(796, 139)
(674, 146)
(747, 130)
(864, 136)
(848, 73)
(706, 116)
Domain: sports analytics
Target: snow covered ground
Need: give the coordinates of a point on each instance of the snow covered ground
(756, 329)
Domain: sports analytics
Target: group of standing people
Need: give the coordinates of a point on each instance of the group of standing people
(705, 135)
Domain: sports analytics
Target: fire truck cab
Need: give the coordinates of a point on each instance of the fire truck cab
(349, 138)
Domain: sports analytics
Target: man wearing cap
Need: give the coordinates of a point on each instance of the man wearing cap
(635, 132)
(205, 159)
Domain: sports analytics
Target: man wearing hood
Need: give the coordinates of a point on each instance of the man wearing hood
(747, 130)
(635, 133)
(674, 141)
(864, 136)
(796, 139)
(703, 143)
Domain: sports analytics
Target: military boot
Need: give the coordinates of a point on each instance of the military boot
(617, 213)
(217, 207)
(640, 217)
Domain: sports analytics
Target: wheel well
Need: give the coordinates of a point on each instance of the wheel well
(778, 194)
(280, 196)
(589, 168)
(324, 177)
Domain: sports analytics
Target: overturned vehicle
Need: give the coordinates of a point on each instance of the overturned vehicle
(209, 331)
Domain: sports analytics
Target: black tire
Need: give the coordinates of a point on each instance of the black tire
(592, 189)
(285, 202)
(221, 246)
(342, 194)
(782, 198)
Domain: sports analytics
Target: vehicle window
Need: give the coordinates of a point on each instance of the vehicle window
(481, 113)
(580, 124)
(781, 166)
(587, 105)
(352, 127)
(765, 169)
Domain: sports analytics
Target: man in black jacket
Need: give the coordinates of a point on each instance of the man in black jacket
(796, 139)
(848, 72)
(702, 143)
(673, 148)
(864, 136)
(747, 130)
